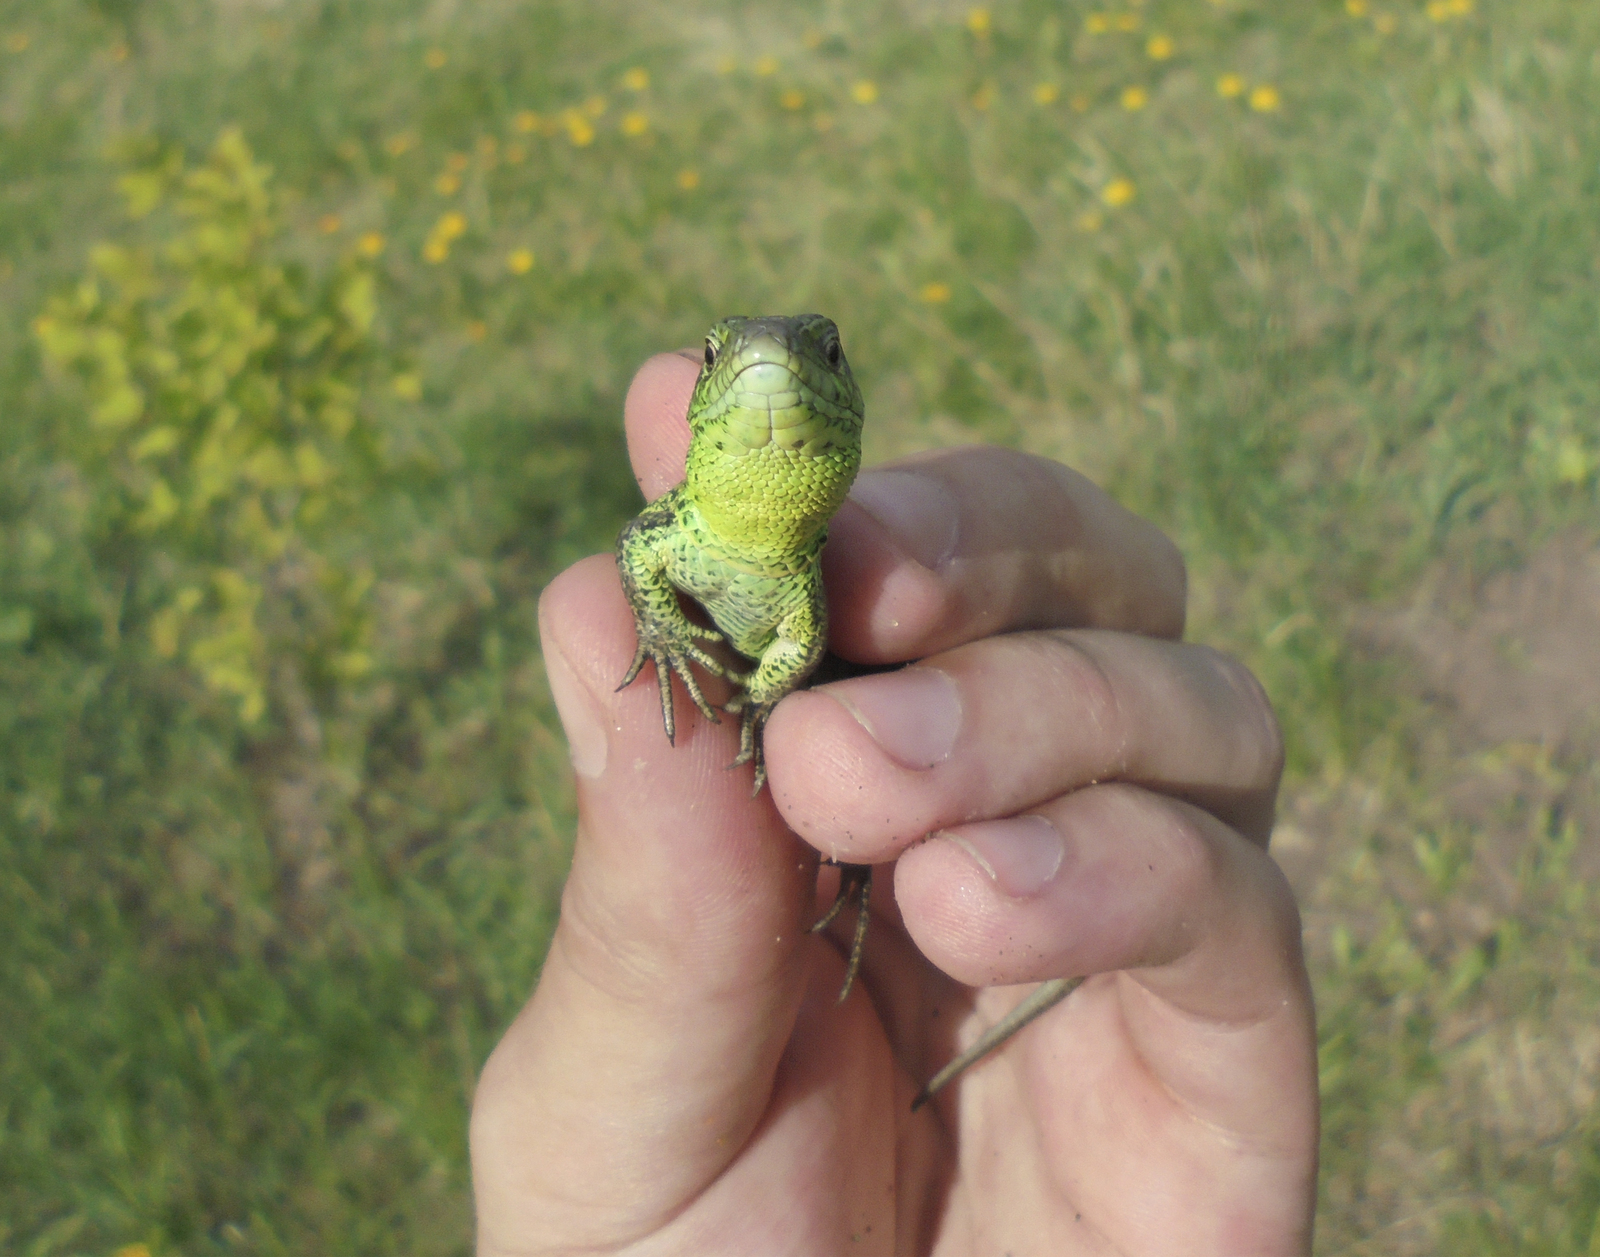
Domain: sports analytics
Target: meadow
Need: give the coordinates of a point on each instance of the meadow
(318, 319)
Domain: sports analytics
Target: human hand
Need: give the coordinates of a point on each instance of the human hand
(1096, 797)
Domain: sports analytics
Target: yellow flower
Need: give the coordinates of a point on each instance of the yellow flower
(515, 153)
(983, 97)
(477, 330)
(371, 244)
(1384, 23)
(1135, 98)
(435, 250)
(1118, 192)
(812, 38)
(688, 180)
(526, 121)
(398, 144)
(457, 162)
(1097, 24)
(978, 21)
(133, 1250)
(1159, 48)
(1045, 93)
(1460, 8)
(435, 58)
(1229, 86)
(519, 261)
(766, 66)
(328, 224)
(120, 52)
(727, 65)
(447, 184)
(635, 124)
(935, 293)
(595, 106)
(864, 92)
(451, 225)
(636, 79)
(1127, 21)
(1356, 8)
(17, 41)
(488, 146)
(792, 99)
(1080, 102)
(1265, 98)
(579, 130)
(407, 387)
(1090, 220)
(1437, 11)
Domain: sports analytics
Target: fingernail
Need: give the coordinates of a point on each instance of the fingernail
(580, 719)
(913, 714)
(921, 513)
(1021, 855)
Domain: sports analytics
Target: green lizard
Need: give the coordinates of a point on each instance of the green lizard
(775, 443)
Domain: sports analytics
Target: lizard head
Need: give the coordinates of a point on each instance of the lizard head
(775, 422)
(778, 380)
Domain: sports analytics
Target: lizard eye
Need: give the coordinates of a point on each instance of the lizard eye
(833, 353)
(711, 352)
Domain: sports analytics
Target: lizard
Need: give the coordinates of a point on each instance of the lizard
(775, 424)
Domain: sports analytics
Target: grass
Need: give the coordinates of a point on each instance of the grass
(1314, 287)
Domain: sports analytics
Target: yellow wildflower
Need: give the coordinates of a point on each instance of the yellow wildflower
(792, 99)
(398, 144)
(1045, 93)
(408, 388)
(688, 180)
(978, 21)
(329, 223)
(579, 129)
(1159, 48)
(18, 41)
(451, 225)
(1127, 21)
(766, 66)
(636, 79)
(864, 92)
(1384, 23)
(371, 244)
(635, 124)
(935, 292)
(727, 65)
(488, 146)
(1118, 192)
(526, 121)
(1090, 220)
(1097, 24)
(447, 184)
(133, 1250)
(477, 330)
(595, 106)
(515, 153)
(1356, 8)
(457, 162)
(1134, 98)
(1437, 11)
(435, 58)
(1080, 102)
(983, 97)
(1265, 98)
(519, 261)
(1230, 85)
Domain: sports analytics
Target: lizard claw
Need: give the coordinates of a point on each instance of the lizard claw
(676, 656)
(752, 725)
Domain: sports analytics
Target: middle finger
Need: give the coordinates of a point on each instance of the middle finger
(861, 768)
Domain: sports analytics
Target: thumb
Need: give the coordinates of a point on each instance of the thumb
(647, 1053)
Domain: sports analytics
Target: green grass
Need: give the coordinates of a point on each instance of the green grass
(1336, 348)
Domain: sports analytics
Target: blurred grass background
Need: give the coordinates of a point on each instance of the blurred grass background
(318, 320)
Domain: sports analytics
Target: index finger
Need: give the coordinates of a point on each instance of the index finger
(948, 547)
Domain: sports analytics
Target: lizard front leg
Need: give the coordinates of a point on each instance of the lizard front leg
(666, 636)
(799, 640)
